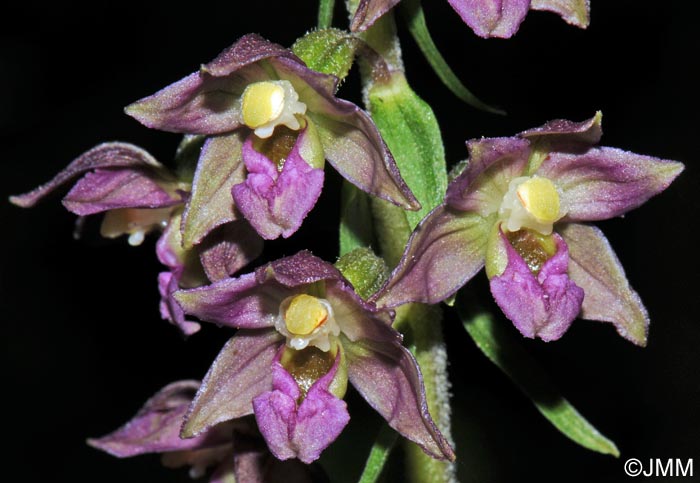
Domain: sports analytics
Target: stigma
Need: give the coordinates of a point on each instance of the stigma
(268, 104)
(306, 320)
(531, 202)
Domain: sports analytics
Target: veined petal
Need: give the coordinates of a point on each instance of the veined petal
(207, 102)
(353, 145)
(568, 135)
(493, 163)
(235, 302)
(595, 267)
(492, 18)
(247, 50)
(389, 379)
(444, 252)
(229, 248)
(541, 306)
(240, 372)
(219, 169)
(297, 270)
(606, 182)
(573, 12)
(156, 426)
(276, 203)
(368, 11)
(102, 156)
(109, 189)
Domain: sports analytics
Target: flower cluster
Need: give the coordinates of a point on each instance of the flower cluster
(259, 125)
(521, 208)
(487, 18)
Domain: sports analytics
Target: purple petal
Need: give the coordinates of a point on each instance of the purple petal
(302, 432)
(568, 135)
(389, 379)
(542, 306)
(229, 248)
(606, 182)
(156, 427)
(219, 169)
(102, 156)
(492, 18)
(609, 297)
(444, 252)
(235, 302)
(574, 12)
(169, 308)
(493, 163)
(275, 413)
(185, 270)
(353, 145)
(109, 189)
(297, 270)
(240, 372)
(368, 11)
(320, 418)
(206, 102)
(276, 203)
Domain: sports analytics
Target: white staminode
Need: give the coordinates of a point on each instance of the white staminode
(268, 104)
(307, 321)
(531, 202)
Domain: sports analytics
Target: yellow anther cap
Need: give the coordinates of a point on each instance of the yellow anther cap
(263, 102)
(540, 198)
(304, 314)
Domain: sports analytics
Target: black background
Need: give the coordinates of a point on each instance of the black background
(83, 345)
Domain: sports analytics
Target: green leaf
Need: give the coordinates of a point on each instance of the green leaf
(325, 13)
(498, 344)
(330, 51)
(356, 230)
(408, 125)
(365, 271)
(379, 454)
(415, 19)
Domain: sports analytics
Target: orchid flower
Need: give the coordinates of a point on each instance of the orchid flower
(303, 332)
(271, 122)
(521, 207)
(487, 18)
(232, 449)
(139, 195)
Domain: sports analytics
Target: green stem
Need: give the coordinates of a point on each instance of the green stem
(325, 13)
(379, 454)
(420, 323)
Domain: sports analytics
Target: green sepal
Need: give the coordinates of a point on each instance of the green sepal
(412, 12)
(378, 455)
(364, 270)
(499, 345)
(410, 129)
(329, 51)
